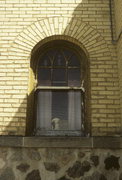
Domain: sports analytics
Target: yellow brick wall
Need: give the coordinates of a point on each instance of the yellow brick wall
(85, 22)
(118, 21)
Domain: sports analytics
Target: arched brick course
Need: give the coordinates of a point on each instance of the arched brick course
(86, 35)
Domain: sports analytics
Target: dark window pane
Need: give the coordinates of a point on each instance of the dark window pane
(59, 77)
(59, 59)
(73, 61)
(59, 110)
(51, 54)
(44, 77)
(67, 54)
(74, 77)
(45, 61)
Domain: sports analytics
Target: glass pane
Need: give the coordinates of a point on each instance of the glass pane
(43, 115)
(74, 77)
(67, 54)
(59, 110)
(74, 61)
(45, 61)
(59, 77)
(74, 110)
(51, 54)
(59, 59)
(44, 77)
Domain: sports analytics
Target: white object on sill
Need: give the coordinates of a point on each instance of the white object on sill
(55, 123)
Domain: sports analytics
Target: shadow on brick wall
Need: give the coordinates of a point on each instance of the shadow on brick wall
(19, 118)
(80, 12)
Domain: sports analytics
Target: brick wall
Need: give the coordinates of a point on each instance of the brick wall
(85, 22)
(118, 20)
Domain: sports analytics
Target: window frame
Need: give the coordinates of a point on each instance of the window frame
(39, 132)
(34, 62)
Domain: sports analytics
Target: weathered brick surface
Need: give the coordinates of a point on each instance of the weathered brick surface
(85, 22)
(118, 22)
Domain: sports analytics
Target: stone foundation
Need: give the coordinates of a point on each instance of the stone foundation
(53, 163)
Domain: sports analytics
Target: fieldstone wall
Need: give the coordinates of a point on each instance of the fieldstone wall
(60, 164)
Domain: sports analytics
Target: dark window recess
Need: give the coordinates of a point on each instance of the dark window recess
(74, 78)
(44, 77)
(59, 77)
(59, 108)
(45, 62)
(59, 59)
(73, 61)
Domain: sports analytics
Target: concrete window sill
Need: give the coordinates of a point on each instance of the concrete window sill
(62, 142)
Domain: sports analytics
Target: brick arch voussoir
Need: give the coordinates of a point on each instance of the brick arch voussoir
(89, 37)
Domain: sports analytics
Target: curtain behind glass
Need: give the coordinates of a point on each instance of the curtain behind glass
(44, 110)
(74, 110)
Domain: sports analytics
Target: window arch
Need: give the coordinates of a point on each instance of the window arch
(59, 67)
(59, 95)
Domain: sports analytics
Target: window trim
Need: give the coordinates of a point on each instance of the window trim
(43, 47)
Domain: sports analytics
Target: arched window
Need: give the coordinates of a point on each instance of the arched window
(59, 94)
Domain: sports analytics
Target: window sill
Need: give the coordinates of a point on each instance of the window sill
(61, 142)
